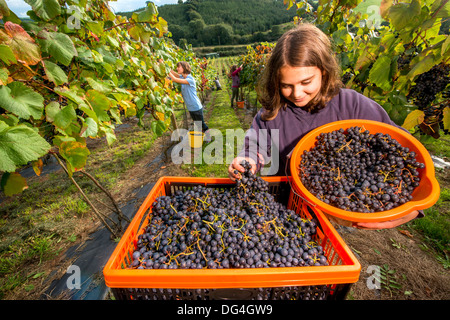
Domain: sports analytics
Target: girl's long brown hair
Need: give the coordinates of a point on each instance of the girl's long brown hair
(186, 66)
(304, 46)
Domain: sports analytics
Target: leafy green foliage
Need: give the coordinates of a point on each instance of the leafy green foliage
(218, 22)
(253, 64)
(385, 48)
(74, 71)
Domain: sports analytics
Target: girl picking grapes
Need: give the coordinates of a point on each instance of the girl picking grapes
(299, 91)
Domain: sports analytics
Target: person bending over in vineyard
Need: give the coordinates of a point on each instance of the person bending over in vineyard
(189, 92)
(217, 82)
(300, 90)
(235, 82)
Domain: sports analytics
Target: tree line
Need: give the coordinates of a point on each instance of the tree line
(225, 22)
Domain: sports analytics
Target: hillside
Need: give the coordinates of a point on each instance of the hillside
(225, 22)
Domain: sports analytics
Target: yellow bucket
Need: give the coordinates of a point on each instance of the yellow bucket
(196, 139)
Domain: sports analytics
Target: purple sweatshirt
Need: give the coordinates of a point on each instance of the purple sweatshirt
(294, 122)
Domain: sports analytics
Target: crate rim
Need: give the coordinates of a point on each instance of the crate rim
(116, 277)
(428, 179)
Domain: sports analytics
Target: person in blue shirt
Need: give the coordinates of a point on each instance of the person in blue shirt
(189, 92)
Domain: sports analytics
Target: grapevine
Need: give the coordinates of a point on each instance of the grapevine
(401, 60)
(74, 74)
(252, 66)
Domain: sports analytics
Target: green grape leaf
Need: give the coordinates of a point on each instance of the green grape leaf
(440, 10)
(23, 47)
(380, 73)
(159, 69)
(113, 42)
(61, 117)
(158, 127)
(91, 113)
(70, 94)
(4, 73)
(58, 45)
(145, 36)
(95, 27)
(13, 183)
(4, 10)
(21, 100)
(54, 73)
(10, 119)
(413, 119)
(445, 45)
(107, 55)
(98, 57)
(147, 14)
(90, 128)
(420, 65)
(135, 32)
(45, 9)
(75, 153)
(101, 86)
(19, 145)
(109, 69)
(402, 14)
(6, 55)
(446, 119)
(100, 104)
(108, 131)
(162, 26)
(12, 17)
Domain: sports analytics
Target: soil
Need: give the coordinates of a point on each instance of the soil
(416, 273)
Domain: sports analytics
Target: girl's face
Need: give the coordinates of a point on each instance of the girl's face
(300, 84)
(180, 68)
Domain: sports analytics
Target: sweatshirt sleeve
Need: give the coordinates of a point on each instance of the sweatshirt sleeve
(251, 146)
(363, 107)
(235, 72)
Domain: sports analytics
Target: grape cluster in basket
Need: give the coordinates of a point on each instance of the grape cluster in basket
(238, 227)
(357, 171)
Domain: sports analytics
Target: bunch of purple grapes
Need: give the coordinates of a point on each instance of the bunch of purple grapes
(238, 227)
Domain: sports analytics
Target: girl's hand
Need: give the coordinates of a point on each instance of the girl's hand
(236, 166)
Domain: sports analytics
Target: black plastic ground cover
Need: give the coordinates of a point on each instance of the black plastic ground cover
(84, 279)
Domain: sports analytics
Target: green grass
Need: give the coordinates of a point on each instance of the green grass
(435, 227)
(214, 158)
(439, 147)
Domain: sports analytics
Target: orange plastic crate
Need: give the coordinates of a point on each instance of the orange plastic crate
(328, 282)
(424, 196)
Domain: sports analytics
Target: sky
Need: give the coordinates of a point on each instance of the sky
(20, 7)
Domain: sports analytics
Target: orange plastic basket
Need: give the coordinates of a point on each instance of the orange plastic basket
(329, 282)
(424, 196)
